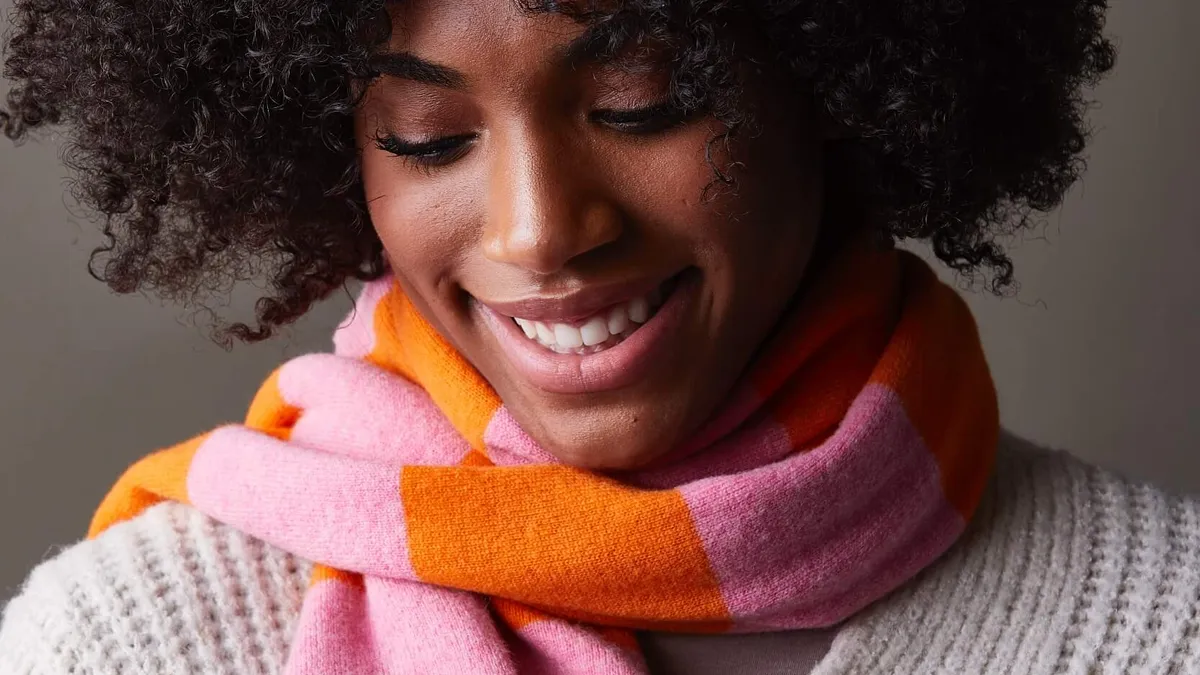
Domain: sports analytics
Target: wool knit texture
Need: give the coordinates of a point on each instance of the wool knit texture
(1065, 569)
(849, 455)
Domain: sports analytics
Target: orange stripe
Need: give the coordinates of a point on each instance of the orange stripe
(162, 476)
(937, 367)
(269, 413)
(322, 573)
(701, 627)
(476, 458)
(155, 478)
(388, 352)
(409, 345)
(812, 404)
(515, 615)
(563, 541)
(620, 637)
(820, 358)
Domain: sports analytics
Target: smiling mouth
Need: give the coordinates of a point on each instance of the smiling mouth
(600, 331)
(598, 340)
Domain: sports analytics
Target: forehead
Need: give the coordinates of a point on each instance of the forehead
(496, 34)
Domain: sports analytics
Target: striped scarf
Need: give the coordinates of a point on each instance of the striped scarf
(850, 455)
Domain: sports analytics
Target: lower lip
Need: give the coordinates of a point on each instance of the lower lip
(616, 367)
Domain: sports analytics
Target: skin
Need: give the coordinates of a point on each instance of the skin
(547, 198)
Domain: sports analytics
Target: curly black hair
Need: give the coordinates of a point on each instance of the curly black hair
(216, 140)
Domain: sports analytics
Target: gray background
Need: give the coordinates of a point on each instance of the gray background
(1097, 354)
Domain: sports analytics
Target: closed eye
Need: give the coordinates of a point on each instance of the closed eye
(432, 153)
(448, 149)
(646, 120)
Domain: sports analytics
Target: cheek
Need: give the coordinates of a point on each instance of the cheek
(751, 202)
(424, 224)
(755, 235)
(666, 189)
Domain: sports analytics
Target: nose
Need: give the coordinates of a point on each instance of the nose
(545, 208)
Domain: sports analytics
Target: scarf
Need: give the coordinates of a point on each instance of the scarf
(849, 456)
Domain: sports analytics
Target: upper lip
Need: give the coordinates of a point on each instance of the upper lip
(575, 305)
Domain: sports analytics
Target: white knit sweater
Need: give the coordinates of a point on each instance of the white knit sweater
(1065, 569)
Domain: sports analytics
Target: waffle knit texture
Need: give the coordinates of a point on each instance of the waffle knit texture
(1064, 569)
(852, 455)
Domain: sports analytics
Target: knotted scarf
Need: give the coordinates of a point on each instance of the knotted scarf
(850, 455)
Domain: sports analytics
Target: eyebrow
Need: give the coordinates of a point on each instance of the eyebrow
(594, 44)
(412, 67)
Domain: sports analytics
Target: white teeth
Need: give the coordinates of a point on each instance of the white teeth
(528, 327)
(594, 331)
(618, 320)
(639, 310)
(567, 336)
(597, 331)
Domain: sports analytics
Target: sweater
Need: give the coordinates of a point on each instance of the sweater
(1066, 568)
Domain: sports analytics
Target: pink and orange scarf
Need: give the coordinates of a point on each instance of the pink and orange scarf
(851, 456)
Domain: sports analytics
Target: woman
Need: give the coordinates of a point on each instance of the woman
(637, 381)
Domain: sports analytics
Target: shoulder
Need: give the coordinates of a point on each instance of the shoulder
(1065, 567)
(169, 591)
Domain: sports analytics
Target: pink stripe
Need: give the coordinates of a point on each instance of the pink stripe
(355, 337)
(560, 648)
(509, 445)
(333, 634)
(797, 543)
(427, 630)
(339, 511)
(355, 409)
(933, 535)
(756, 445)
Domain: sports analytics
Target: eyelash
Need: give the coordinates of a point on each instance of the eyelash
(641, 121)
(428, 154)
(442, 151)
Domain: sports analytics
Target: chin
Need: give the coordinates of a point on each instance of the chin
(594, 446)
(604, 459)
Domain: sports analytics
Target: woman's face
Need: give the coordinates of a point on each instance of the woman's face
(555, 228)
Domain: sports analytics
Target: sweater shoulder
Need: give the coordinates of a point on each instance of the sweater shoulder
(169, 591)
(1065, 567)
